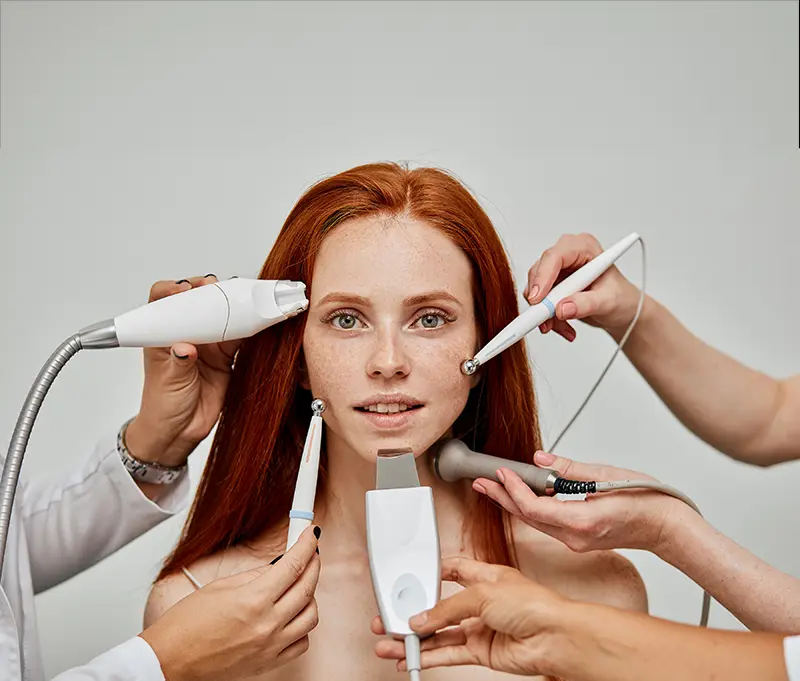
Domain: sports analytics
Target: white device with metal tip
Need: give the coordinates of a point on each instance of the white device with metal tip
(541, 312)
(302, 513)
(226, 310)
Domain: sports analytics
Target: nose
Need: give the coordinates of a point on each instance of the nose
(388, 358)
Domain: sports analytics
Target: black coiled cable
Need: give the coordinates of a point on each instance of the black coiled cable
(564, 486)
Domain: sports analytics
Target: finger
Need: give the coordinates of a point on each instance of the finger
(305, 621)
(272, 581)
(496, 492)
(167, 287)
(389, 649)
(574, 470)
(564, 329)
(183, 357)
(376, 626)
(203, 281)
(293, 651)
(469, 572)
(570, 252)
(449, 656)
(299, 595)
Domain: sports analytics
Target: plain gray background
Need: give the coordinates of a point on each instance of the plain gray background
(150, 140)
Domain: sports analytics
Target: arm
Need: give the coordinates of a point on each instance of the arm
(73, 522)
(744, 413)
(506, 622)
(759, 595)
(621, 646)
(741, 412)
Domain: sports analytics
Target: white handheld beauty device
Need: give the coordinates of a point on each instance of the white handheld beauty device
(403, 545)
(226, 310)
(541, 312)
(305, 488)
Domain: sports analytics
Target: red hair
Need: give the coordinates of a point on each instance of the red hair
(248, 482)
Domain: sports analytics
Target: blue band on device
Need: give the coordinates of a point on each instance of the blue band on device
(303, 515)
(549, 305)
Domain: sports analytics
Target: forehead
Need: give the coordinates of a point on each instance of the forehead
(377, 255)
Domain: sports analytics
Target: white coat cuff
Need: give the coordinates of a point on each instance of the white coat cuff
(133, 660)
(174, 499)
(791, 652)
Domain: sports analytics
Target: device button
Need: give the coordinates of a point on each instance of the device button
(408, 596)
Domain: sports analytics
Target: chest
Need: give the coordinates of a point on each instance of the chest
(342, 646)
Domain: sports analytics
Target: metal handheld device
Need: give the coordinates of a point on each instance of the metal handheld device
(453, 460)
(226, 310)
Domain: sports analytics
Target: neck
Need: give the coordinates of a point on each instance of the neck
(342, 504)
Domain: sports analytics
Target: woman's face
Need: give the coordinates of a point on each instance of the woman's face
(390, 321)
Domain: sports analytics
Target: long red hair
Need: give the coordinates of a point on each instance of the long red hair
(248, 481)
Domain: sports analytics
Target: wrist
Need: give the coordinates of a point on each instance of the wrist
(617, 330)
(150, 444)
(677, 529)
(567, 641)
(169, 659)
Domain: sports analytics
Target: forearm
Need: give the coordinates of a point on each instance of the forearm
(601, 643)
(735, 409)
(759, 595)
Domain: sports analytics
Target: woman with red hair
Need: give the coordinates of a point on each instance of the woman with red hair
(406, 278)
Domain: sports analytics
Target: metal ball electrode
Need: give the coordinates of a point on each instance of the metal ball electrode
(318, 406)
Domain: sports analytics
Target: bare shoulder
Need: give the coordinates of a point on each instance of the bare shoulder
(167, 591)
(605, 577)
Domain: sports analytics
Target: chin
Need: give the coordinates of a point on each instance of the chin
(368, 448)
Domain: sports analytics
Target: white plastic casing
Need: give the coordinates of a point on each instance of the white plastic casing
(306, 487)
(404, 554)
(226, 310)
(541, 312)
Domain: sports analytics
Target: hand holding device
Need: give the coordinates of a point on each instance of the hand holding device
(510, 620)
(243, 625)
(609, 302)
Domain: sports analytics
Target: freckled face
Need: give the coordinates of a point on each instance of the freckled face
(390, 320)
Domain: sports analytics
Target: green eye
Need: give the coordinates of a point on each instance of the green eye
(430, 321)
(347, 321)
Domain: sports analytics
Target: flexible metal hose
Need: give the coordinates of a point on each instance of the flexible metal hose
(22, 432)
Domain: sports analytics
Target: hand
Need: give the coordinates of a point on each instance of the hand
(184, 390)
(244, 625)
(502, 621)
(610, 302)
(621, 519)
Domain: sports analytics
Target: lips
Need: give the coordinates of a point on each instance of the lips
(389, 411)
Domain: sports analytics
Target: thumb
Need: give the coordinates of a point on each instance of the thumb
(567, 468)
(182, 359)
(450, 611)
(582, 305)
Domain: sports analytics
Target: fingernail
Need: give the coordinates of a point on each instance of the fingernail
(532, 295)
(275, 560)
(479, 488)
(569, 310)
(317, 531)
(180, 356)
(209, 275)
(500, 476)
(545, 458)
(182, 281)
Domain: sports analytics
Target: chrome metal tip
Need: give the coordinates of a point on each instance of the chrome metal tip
(318, 406)
(469, 366)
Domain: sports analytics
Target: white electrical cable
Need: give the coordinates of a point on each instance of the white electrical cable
(635, 484)
(616, 352)
(413, 657)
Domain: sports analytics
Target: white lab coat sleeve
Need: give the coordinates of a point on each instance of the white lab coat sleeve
(133, 660)
(791, 653)
(73, 521)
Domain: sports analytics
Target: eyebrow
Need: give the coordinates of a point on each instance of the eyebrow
(408, 302)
